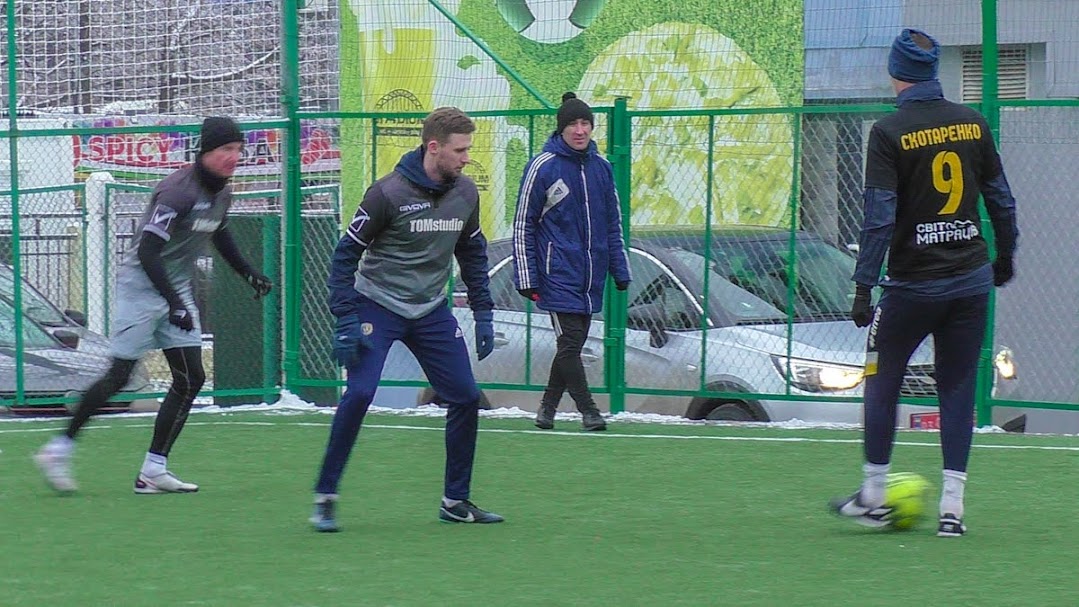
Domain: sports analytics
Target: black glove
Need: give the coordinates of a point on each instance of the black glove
(1003, 271)
(621, 286)
(259, 282)
(180, 317)
(862, 310)
(529, 294)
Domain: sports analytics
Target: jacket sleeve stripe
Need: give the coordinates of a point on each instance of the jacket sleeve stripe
(520, 221)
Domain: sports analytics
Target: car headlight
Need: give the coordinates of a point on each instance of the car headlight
(1005, 364)
(815, 376)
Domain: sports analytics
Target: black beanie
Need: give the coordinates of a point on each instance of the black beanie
(573, 109)
(217, 131)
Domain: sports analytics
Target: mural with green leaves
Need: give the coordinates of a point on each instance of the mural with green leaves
(694, 55)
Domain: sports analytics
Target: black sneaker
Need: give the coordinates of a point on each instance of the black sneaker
(592, 421)
(545, 417)
(852, 507)
(323, 517)
(951, 526)
(466, 512)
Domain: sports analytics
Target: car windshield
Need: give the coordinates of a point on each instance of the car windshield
(34, 305)
(822, 288)
(33, 336)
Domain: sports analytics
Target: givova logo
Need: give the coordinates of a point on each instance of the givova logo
(436, 225)
(414, 206)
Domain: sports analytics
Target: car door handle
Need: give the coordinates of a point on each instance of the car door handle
(501, 339)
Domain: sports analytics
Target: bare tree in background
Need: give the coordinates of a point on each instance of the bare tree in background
(173, 57)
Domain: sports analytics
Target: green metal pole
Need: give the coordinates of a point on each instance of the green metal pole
(528, 305)
(13, 154)
(991, 110)
(796, 179)
(620, 138)
(290, 93)
(705, 293)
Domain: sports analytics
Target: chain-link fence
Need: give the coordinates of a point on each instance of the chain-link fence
(738, 156)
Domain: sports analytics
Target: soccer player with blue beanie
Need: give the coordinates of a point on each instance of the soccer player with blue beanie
(926, 165)
(387, 283)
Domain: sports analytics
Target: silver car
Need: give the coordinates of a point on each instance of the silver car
(61, 358)
(749, 344)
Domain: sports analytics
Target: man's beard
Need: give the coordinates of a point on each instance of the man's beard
(447, 175)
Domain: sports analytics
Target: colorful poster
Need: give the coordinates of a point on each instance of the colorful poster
(693, 55)
(139, 156)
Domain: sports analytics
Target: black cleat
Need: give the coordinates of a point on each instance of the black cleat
(951, 526)
(851, 507)
(467, 512)
(545, 417)
(592, 421)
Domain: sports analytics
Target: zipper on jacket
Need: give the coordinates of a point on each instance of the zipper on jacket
(588, 239)
(549, 257)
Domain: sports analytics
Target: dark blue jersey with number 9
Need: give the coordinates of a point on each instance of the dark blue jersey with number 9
(936, 155)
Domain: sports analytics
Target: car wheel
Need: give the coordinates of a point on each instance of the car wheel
(429, 396)
(731, 412)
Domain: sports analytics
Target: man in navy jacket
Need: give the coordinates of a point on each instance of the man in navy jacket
(567, 236)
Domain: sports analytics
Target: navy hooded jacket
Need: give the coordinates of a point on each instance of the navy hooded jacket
(567, 231)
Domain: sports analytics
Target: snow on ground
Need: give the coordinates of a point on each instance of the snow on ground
(290, 404)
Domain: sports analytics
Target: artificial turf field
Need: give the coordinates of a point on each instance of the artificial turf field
(644, 514)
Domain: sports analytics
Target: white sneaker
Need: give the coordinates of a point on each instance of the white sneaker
(166, 482)
(57, 470)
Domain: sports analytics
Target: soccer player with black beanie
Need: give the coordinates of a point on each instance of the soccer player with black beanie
(926, 165)
(155, 306)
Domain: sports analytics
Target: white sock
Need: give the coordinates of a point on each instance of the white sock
(951, 496)
(60, 445)
(876, 480)
(447, 502)
(154, 464)
(321, 498)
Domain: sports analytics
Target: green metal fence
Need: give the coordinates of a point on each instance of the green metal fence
(688, 178)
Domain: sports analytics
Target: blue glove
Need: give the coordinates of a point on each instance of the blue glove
(349, 341)
(485, 332)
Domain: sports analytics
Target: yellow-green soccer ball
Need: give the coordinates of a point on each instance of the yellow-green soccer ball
(907, 494)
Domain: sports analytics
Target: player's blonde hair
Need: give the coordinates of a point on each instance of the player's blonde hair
(446, 121)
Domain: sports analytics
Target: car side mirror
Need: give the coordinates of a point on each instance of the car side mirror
(77, 317)
(70, 339)
(649, 317)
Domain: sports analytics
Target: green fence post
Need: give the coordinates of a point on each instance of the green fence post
(290, 97)
(614, 354)
(991, 110)
(13, 151)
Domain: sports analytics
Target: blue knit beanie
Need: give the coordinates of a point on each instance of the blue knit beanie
(911, 63)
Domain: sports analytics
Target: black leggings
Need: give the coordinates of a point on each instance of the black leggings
(567, 368)
(187, 379)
